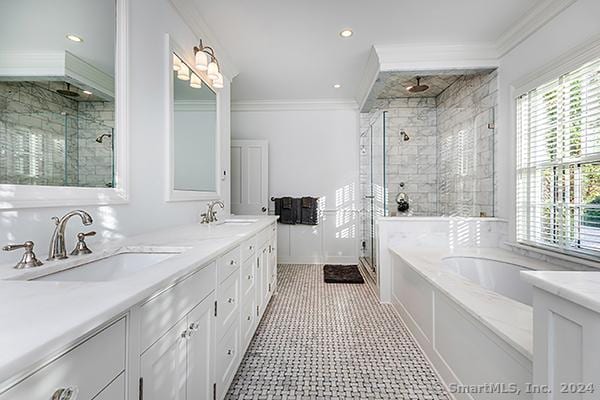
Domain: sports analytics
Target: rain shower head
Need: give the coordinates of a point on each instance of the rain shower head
(100, 138)
(418, 88)
(67, 92)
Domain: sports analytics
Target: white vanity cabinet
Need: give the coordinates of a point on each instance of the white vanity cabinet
(179, 365)
(184, 342)
(82, 373)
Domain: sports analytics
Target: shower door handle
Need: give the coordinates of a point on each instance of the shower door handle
(369, 197)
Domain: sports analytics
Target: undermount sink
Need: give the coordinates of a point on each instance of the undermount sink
(111, 268)
(239, 221)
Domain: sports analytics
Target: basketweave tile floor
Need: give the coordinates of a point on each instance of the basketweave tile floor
(331, 341)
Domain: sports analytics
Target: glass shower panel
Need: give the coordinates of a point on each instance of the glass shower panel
(466, 167)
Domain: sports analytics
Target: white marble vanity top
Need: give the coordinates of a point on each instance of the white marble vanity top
(508, 318)
(38, 319)
(579, 287)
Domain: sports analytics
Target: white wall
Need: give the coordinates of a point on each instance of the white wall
(571, 28)
(312, 152)
(147, 209)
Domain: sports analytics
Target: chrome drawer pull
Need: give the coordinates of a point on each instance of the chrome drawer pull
(229, 352)
(249, 277)
(249, 317)
(230, 300)
(232, 262)
(69, 393)
(194, 326)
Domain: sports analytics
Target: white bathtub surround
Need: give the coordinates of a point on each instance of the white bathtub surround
(470, 334)
(48, 317)
(566, 327)
(441, 232)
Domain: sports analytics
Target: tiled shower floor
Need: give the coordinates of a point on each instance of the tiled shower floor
(331, 341)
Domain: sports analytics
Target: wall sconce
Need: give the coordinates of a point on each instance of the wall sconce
(207, 61)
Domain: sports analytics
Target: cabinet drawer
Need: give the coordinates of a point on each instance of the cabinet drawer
(248, 248)
(114, 391)
(87, 368)
(228, 299)
(163, 311)
(227, 357)
(248, 279)
(228, 264)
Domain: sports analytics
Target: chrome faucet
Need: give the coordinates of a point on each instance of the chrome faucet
(210, 215)
(58, 250)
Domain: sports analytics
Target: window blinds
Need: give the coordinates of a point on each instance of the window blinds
(558, 163)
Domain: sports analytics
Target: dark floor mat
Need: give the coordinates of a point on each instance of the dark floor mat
(342, 274)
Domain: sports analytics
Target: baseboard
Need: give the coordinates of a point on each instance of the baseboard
(316, 260)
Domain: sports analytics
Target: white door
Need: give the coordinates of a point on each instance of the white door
(201, 351)
(249, 177)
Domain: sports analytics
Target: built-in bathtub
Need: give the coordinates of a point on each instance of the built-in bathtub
(497, 276)
(471, 315)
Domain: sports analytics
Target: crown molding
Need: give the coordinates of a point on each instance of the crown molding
(294, 105)
(531, 22)
(192, 16)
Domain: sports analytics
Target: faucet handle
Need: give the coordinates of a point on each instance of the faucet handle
(81, 247)
(29, 259)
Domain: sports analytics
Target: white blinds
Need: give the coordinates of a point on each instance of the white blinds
(558, 163)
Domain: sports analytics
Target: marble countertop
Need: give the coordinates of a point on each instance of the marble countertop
(509, 319)
(39, 319)
(579, 287)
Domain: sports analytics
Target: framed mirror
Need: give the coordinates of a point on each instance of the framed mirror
(193, 137)
(62, 127)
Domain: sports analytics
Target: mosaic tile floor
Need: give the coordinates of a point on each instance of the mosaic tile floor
(331, 341)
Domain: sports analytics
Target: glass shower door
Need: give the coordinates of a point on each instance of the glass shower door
(375, 197)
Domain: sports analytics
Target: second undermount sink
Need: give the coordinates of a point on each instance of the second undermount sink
(239, 221)
(111, 268)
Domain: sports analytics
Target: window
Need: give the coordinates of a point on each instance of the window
(558, 163)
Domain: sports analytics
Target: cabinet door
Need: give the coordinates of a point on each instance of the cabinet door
(272, 266)
(263, 292)
(259, 283)
(200, 357)
(163, 366)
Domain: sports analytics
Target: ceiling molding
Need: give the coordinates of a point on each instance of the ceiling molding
(531, 22)
(294, 105)
(193, 18)
(411, 57)
(368, 79)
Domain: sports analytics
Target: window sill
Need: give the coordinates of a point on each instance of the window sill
(588, 261)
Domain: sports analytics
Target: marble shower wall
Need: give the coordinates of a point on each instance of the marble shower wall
(447, 166)
(96, 159)
(48, 139)
(466, 146)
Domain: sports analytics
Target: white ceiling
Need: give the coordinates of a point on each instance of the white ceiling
(40, 26)
(291, 50)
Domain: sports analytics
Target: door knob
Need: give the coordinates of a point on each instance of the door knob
(264, 209)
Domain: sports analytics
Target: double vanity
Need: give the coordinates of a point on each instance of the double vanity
(165, 315)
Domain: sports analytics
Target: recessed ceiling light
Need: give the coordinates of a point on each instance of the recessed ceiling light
(74, 38)
(87, 92)
(346, 33)
(337, 86)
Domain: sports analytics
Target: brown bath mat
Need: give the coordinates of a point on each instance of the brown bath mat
(342, 274)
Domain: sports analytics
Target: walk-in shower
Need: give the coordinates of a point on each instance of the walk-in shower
(434, 146)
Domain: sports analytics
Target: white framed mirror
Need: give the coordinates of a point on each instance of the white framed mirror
(63, 101)
(193, 145)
